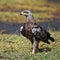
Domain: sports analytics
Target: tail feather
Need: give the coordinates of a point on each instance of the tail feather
(52, 39)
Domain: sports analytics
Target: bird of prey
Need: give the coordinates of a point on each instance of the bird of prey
(33, 31)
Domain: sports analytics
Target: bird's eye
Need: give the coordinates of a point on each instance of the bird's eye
(26, 12)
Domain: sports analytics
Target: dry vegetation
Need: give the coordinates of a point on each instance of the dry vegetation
(42, 9)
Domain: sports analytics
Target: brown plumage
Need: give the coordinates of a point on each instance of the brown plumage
(34, 32)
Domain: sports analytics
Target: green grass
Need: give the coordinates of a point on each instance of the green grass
(14, 47)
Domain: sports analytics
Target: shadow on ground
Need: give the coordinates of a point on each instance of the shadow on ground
(47, 49)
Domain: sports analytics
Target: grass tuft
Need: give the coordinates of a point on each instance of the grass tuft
(18, 47)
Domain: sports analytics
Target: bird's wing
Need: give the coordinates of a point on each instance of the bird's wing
(34, 30)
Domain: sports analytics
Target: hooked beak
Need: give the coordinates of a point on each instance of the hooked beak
(20, 13)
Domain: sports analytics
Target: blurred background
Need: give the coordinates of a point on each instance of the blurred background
(45, 11)
(42, 9)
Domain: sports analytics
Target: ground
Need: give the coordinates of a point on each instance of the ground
(14, 47)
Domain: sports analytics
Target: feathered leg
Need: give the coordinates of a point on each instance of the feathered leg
(35, 46)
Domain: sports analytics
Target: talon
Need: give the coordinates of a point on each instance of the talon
(33, 52)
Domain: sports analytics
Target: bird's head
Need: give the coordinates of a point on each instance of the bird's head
(26, 13)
